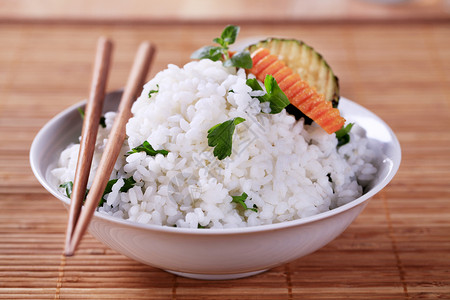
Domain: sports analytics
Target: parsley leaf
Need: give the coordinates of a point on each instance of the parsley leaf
(153, 91)
(147, 148)
(102, 118)
(81, 112)
(241, 200)
(103, 122)
(220, 136)
(274, 95)
(67, 186)
(342, 135)
(108, 188)
(240, 59)
(128, 184)
(329, 177)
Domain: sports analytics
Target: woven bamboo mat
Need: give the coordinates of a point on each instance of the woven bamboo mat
(398, 248)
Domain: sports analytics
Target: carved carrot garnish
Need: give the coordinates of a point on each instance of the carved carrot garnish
(299, 92)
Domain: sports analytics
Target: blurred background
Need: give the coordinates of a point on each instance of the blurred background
(147, 11)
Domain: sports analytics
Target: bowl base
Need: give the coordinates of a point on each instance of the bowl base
(216, 277)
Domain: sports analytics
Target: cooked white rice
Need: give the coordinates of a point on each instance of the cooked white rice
(283, 165)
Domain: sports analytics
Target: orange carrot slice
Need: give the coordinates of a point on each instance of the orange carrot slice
(264, 63)
(257, 56)
(298, 91)
(282, 73)
(295, 89)
(302, 97)
(289, 81)
(272, 69)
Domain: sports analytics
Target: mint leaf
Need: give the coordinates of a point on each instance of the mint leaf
(219, 41)
(241, 200)
(67, 186)
(211, 52)
(153, 91)
(147, 148)
(274, 95)
(342, 135)
(229, 35)
(240, 60)
(220, 137)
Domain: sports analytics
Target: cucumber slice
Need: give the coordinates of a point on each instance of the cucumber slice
(305, 61)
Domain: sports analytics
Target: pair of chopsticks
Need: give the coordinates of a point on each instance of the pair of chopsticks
(79, 218)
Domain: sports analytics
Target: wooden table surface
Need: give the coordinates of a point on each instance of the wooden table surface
(398, 248)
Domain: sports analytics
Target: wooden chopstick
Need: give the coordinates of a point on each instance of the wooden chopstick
(116, 138)
(93, 111)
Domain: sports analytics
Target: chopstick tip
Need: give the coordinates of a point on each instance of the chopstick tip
(148, 45)
(68, 252)
(105, 41)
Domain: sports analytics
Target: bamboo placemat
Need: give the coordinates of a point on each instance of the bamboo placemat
(398, 248)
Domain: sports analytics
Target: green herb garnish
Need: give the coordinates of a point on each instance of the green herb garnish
(147, 148)
(102, 118)
(211, 52)
(342, 135)
(240, 59)
(220, 136)
(128, 184)
(274, 95)
(241, 200)
(329, 177)
(67, 186)
(103, 122)
(153, 91)
(81, 112)
(228, 36)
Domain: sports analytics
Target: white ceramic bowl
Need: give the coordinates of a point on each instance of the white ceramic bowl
(217, 253)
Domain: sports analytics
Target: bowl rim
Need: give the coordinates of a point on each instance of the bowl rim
(217, 231)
